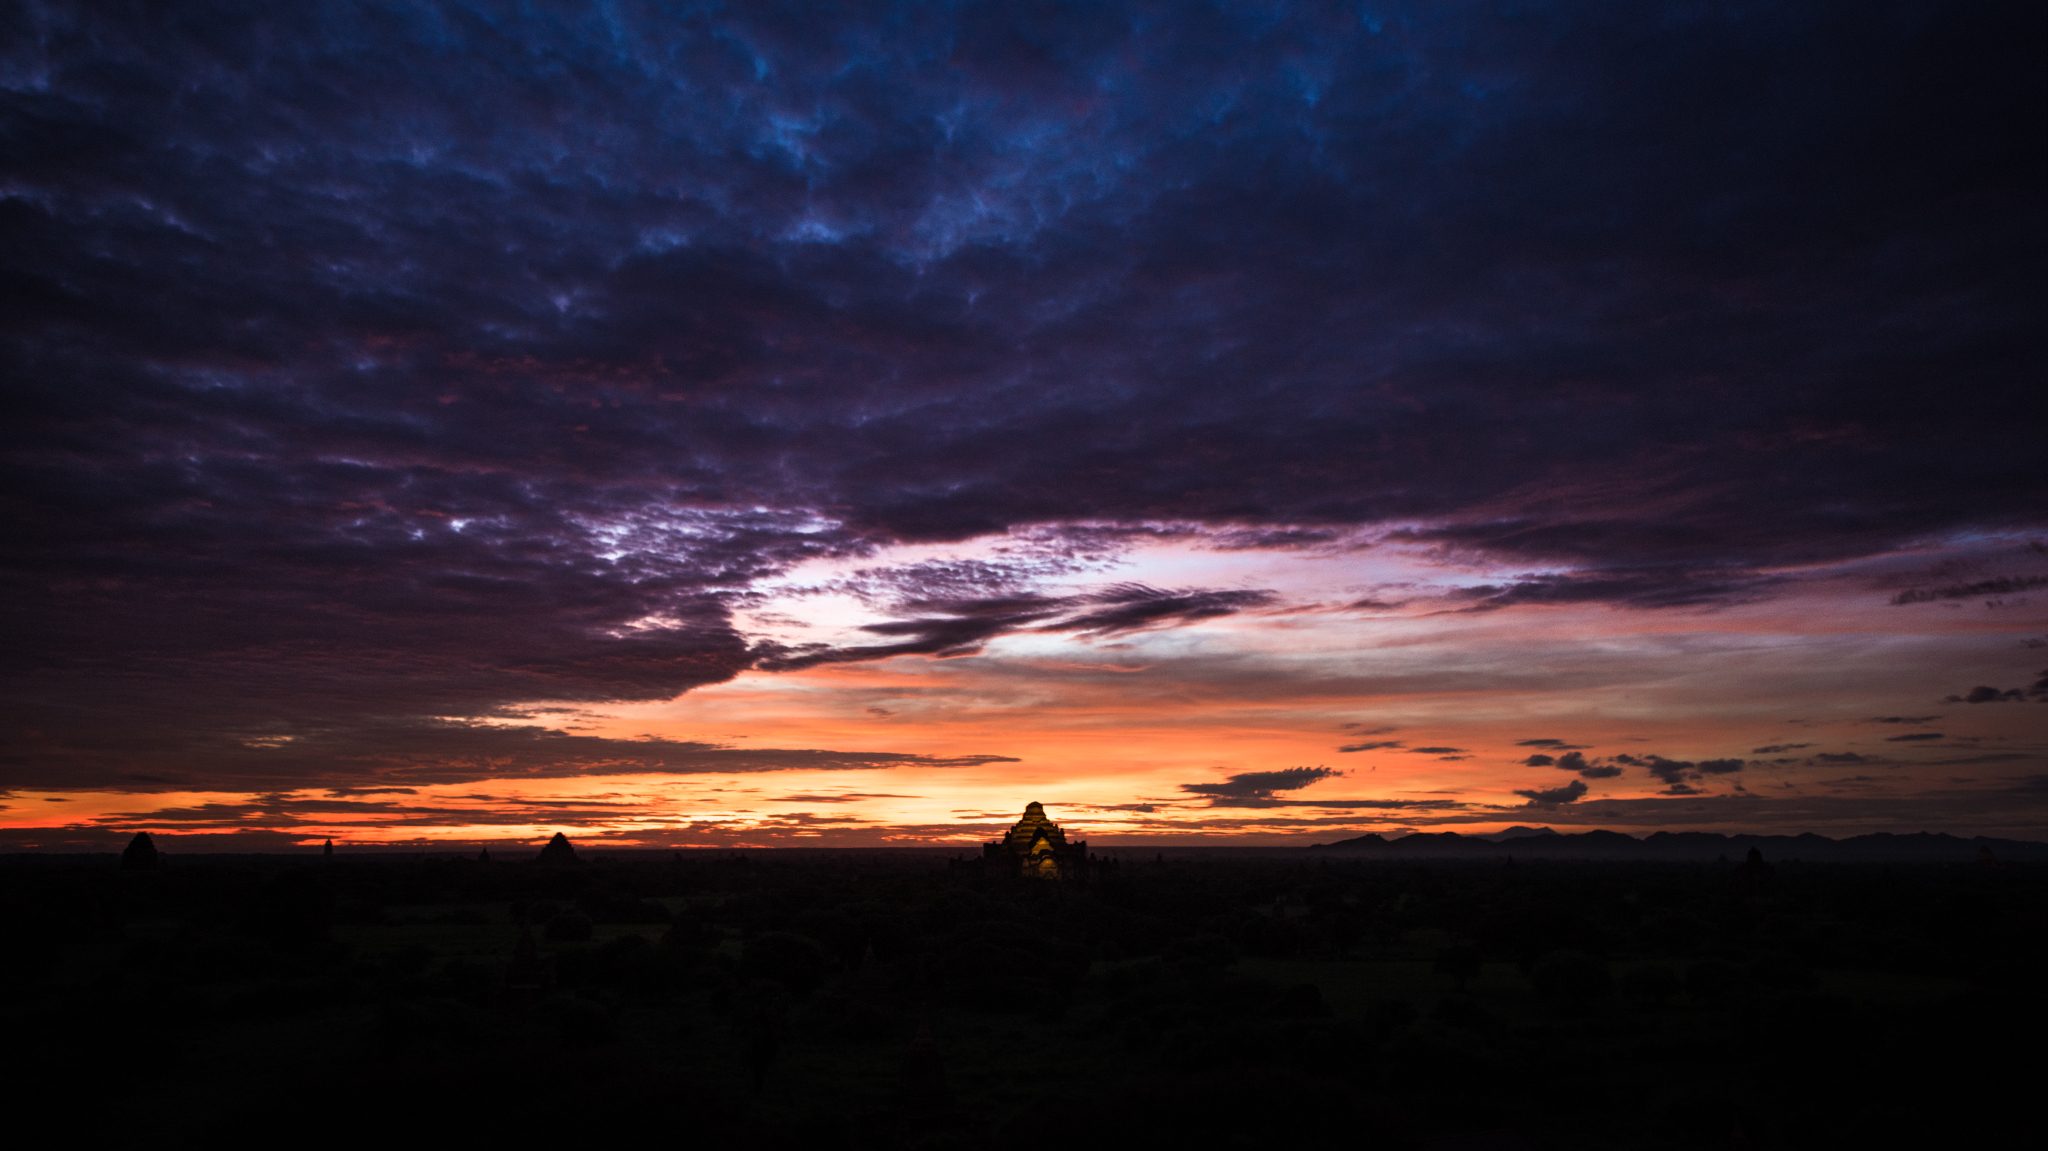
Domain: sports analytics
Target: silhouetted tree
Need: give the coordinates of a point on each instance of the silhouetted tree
(1341, 928)
(1302, 1001)
(1461, 1012)
(689, 931)
(1782, 972)
(1672, 934)
(140, 855)
(792, 960)
(1653, 982)
(292, 910)
(525, 972)
(1390, 1015)
(761, 1029)
(1571, 978)
(1712, 982)
(568, 927)
(603, 907)
(921, 1077)
(576, 1021)
(1213, 950)
(1460, 963)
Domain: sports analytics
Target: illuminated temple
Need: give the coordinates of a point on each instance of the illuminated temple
(1036, 847)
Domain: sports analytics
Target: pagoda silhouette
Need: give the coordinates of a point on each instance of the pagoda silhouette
(1036, 848)
(559, 852)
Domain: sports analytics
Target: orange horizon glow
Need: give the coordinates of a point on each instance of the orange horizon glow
(1108, 731)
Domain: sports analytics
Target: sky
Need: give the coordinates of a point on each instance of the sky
(729, 425)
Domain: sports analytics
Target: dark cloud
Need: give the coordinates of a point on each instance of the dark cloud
(1282, 539)
(1574, 761)
(1569, 793)
(970, 624)
(1776, 748)
(2004, 585)
(1131, 607)
(1434, 750)
(350, 792)
(2016, 807)
(849, 797)
(1641, 588)
(372, 757)
(1341, 804)
(1986, 694)
(1914, 737)
(1553, 744)
(1259, 788)
(1374, 746)
(280, 812)
(1262, 784)
(1904, 718)
(367, 368)
(1673, 771)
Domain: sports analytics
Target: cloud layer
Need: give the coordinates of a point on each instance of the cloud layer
(372, 375)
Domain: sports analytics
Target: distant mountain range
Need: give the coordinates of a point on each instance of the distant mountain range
(1542, 842)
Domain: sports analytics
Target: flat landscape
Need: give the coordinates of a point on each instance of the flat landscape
(906, 999)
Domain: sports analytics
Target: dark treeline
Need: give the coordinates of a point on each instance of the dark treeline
(1696, 846)
(891, 1000)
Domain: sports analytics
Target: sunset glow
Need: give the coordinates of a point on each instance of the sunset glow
(1424, 715)
(711, 432)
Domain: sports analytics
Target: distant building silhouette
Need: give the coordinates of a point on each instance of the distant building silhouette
(526, 972)
(484, 856)
(1036, 847)
(140, 854)
(921, 1077)
(1754, 872)
(559, 851)
(329, 849)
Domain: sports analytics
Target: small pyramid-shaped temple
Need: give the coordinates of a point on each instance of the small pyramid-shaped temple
(559, 852)
(1037, 847)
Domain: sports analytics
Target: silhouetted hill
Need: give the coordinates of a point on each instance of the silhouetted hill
(1516, 832)
(1694, 845)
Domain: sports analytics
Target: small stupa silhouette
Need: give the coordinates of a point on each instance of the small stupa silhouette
(921, 1078)
(559, 850)
(140, 854)
(484, 856)
(1754, 871)
(329, 849)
